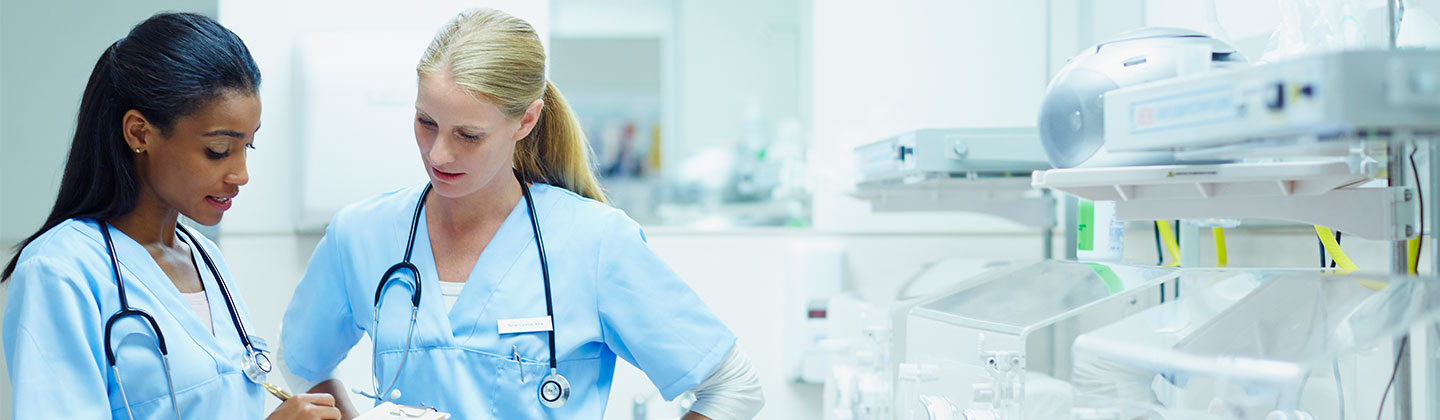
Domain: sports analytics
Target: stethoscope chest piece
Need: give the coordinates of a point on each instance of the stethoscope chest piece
(554, 390)
(255, 365)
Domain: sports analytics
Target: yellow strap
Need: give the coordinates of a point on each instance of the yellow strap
(1373, 285)
(1222, 258)
(1412, 255)
(1171, 245)
(1327, 238)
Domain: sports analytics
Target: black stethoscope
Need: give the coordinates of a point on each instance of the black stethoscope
(554, 388)
(255, 363)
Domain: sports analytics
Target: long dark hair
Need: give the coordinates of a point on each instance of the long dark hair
(168, 67)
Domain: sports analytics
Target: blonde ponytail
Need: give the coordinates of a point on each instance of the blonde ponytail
(556, 152)
(499, 58)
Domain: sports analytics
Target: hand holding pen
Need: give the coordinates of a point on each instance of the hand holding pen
(303, 406)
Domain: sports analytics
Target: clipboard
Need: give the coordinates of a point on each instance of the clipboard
(392, 411)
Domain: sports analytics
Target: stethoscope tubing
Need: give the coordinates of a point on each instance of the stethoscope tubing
(127, 311)
(415, 296)
(544, 265)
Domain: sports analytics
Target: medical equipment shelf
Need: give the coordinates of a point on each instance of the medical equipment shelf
(1327, 193)
(1009, 197)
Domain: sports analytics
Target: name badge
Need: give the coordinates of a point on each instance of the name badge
(524, 325)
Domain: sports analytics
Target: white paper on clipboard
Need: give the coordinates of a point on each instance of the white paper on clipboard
(392, 411)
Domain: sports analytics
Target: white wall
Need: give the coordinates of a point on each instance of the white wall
(725, 59)
(606, 68)
(1245, 24)
(610, 18)
(272, 203)
(47, 50)
(881, 70)
(1251, 25)
(1076, 25)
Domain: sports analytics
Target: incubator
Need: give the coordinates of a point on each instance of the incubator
(867, 336)
(1254, 345)
(1000, 348)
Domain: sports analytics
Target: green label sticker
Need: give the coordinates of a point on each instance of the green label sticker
(1112, 281)
(1086, 223)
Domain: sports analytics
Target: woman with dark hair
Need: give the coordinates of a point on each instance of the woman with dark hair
(109, 312)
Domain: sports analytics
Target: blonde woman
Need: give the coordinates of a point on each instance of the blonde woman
(505, 287)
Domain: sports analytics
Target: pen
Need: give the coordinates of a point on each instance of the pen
(276, 391)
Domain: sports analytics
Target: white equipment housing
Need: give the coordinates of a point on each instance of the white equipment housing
(1344, 95)
(952, 152)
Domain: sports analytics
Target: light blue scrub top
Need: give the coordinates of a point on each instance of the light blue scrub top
(612, 296)
(60, 297)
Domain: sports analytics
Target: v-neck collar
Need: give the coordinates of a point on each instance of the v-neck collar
(221, 322)
(141, 270)
(512, 241)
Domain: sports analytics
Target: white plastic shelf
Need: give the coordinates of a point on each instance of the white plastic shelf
(1169, 182)
(1323, 193)
(1011, 198)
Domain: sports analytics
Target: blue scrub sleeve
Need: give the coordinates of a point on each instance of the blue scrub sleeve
(650, 317)
(52, 337)
(319, 327)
